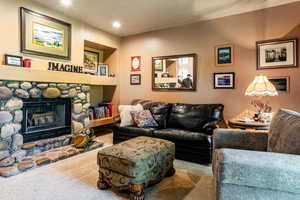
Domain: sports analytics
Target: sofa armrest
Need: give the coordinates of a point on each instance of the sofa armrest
(240, 139)
(263, 170)
(209, 127)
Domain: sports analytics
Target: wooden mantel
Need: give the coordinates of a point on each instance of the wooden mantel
(28, 74)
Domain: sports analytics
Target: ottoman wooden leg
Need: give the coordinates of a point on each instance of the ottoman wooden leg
(136, 192)
(171, 172)
(102, 184)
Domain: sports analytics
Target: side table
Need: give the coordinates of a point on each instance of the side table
(235, 123)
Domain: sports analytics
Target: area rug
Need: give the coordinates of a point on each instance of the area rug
(75, 179)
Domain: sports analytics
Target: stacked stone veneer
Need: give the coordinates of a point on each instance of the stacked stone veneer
(12, 93)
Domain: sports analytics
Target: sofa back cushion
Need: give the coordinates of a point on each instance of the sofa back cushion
(284, 136)
(194, 116)
(161, 112)
(144, 102)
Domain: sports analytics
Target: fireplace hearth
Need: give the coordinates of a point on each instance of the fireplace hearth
(46, 118)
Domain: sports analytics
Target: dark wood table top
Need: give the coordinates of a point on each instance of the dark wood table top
(236, 123)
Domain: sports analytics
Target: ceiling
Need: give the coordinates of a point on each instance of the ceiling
(138, 16)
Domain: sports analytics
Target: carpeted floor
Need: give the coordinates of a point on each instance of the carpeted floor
(75, 179)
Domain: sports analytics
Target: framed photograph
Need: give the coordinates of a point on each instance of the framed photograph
(273, 54)
(158, 65)
(103, 70)
(135, 79)
(224, 55)
(14, 60)
(224, 80)
(136, 63)
(42, 35)
(281, 83)
(90, 61)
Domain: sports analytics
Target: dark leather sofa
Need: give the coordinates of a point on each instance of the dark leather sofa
(189, 126)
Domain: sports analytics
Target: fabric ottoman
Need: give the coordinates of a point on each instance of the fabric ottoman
(134, 164)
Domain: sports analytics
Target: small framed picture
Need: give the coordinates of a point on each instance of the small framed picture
(281, 83)
(14, 60)
(91, 61)
(102, 70)
(135, 79)
(158, 65)
(224, 55)
(224, 80)
(274, 54)
(136, 63)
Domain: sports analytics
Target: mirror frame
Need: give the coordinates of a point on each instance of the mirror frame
(195, 64)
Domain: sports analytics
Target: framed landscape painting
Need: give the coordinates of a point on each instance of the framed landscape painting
(281, 83)
(91, 61)
(273, 54)
(158, 65)
(224, 55)
(224, 80)
(42, 35)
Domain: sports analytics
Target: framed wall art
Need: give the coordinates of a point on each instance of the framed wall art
(135, 79)
(281, 83)
(13, 60)
(273, 54)
(224, 55)
(224, 80)
(136, 63)
(42, 35)
(158, 65)
(91, 61)
(102, 70)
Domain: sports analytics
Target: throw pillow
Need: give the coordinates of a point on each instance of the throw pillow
(284, 136)
(125, 115)
(144, 119)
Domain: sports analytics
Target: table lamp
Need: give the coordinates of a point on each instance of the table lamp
(260, 88)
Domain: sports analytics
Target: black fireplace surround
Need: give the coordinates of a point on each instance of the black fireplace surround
(46, 118)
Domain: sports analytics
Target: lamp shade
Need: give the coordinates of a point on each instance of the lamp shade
(261, 86)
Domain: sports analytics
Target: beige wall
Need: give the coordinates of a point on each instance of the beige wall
(201, 38)
(10, 39)
(10, 33)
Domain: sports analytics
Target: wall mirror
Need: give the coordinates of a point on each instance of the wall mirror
(178, 72)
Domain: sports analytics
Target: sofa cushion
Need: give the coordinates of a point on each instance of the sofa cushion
(132, 130)
(144, 102)
(263, 170)
(161, 113)
(194, 116)
(144, 119)
(284, 134)
(181, 135)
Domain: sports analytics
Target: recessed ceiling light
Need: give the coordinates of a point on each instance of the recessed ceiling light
(66, 2)
(116, 24)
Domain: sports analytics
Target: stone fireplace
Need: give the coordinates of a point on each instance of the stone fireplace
(31, 111)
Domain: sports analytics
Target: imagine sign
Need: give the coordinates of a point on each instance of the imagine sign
(65, 67)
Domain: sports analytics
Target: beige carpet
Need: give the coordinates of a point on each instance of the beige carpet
(75, 179)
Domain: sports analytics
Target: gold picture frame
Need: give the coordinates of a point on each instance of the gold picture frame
(42, 35)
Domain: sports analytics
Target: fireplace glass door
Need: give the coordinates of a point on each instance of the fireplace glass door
(46, 118)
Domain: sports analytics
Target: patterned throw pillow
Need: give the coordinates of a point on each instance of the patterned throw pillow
(144, 119)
